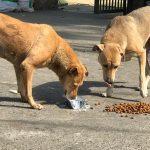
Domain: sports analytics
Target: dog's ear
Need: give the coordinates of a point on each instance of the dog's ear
(98, 48)
(121, 54)
(86, 73)
(73, 71)
(120, 51)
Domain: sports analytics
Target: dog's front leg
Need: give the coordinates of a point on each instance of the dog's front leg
(142, 65)
(26, 84)
(109, 91)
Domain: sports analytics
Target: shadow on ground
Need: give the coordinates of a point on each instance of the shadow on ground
(52, 93)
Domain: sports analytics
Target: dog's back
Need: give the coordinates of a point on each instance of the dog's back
(141, 13)
(142, 19)
(138, 17)
(12, 35)
(134, 27)
(20, 37)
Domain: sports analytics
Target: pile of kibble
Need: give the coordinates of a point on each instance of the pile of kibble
(130, 108)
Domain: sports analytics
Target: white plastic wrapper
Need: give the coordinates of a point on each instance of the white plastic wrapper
(79, 103)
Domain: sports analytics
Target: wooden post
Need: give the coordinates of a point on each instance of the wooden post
(124, 7)
(96, 6)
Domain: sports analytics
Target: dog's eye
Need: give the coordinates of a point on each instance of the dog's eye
(106, 66)
(115, 67)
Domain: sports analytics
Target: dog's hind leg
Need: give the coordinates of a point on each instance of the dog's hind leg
(147, 72)
(18, 72)
(26, 83)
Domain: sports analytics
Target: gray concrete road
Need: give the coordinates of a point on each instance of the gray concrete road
(53, 128)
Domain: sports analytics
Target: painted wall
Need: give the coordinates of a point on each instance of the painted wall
(70, 2)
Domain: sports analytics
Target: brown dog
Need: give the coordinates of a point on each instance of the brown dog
(28, 46)
(125, 34)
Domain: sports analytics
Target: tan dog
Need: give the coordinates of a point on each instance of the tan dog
(28, 46)
(125, 34)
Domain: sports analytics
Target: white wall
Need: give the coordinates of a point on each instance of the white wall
(90, 2)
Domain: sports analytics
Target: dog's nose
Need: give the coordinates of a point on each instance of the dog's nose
(109, 81)
(73, 97)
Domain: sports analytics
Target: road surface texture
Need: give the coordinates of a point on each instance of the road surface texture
(55, 128)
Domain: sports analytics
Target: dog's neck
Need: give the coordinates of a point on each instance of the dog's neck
(59, 65)
(63, 58)
(111, 36)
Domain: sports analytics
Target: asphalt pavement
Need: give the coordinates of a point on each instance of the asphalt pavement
(55, 128)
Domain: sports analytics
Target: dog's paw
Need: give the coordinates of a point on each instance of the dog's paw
(106, 94)
(103, 94)
(38, 106)
(144, 93)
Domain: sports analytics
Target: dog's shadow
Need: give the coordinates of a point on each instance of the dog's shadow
(127, 87)
(52, 93)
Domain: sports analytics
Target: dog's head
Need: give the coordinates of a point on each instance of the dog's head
(73, 80)
(110, 55)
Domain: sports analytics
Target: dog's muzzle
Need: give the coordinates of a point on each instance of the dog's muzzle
(69, 96)
(109, 81)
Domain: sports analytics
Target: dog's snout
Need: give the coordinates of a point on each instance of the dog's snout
(108, 80)
(72, 97)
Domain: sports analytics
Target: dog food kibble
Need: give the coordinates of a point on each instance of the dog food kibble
(130, 108)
